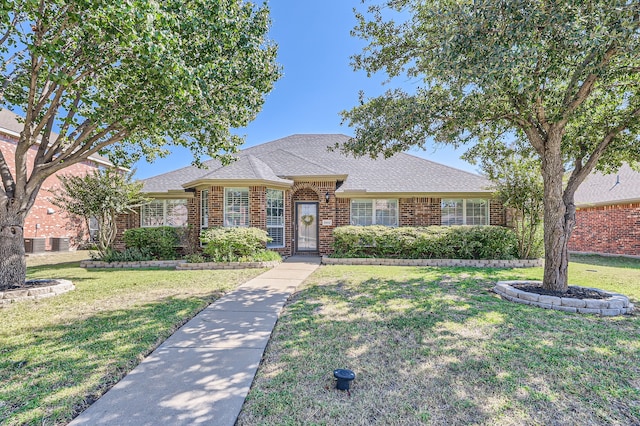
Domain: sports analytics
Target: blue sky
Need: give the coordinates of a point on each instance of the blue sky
(314, 49)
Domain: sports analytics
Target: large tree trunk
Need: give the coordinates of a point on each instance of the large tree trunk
(558, 219)
(13, 268)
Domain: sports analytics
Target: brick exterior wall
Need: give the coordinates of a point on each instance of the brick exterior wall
(419, 211)
(497, 213)
(45, 219)
(258, 207)
(124, 222)
(607, 229)
(343, 211)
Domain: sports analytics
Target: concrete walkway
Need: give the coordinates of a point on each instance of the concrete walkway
(202, 373)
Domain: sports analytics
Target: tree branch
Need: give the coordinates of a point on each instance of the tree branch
(580, 172)
(7, 178)
(585, 89)
(6, 35)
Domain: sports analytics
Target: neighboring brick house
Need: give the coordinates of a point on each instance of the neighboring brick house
(44, 219)
(608, 214)
(299, 191)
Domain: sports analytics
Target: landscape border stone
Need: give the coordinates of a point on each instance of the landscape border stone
(58, 286)
(180, 265)
(614, 304)
(473, 263)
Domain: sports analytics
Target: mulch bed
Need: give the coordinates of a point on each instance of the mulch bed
(32, 284)
(572, 293)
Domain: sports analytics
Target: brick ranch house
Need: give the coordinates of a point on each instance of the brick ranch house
(298, 190)
(608, 214)
(46, 221)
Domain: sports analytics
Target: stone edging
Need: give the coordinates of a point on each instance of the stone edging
(141, 264)
(615, 304)
(474, 263)
(180, 265)
(226, 265)
(56, 287)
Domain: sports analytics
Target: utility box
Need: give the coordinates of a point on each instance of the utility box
(59, 243)
(34, 245)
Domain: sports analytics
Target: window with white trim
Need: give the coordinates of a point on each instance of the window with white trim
(236, 207)
(275, 217)
(204, 209)
(473, 211)
(374, 212)
(164, 213)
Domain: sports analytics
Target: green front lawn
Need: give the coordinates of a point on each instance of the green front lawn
(58, 355)
(436, 346)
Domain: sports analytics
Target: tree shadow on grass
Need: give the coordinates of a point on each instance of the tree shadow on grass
(612, 261)
(51, 373)
(436, 346)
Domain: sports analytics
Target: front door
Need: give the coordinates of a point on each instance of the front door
(306, 227)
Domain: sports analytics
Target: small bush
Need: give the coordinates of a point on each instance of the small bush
(234, 244)
(195, 258)
(434, 242)
(161, 242)
(132, 254)
(263, 256)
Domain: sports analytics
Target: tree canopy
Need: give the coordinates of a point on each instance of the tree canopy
(123, 79)
(564, 76)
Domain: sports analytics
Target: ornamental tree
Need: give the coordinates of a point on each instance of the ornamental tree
(125, 80)
(564, 76)
(515, 175)
(103, 195)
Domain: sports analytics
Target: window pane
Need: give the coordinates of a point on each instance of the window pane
(275, 207)
(236, 207)
(275, 217)
(362, 212)
(152, 214)
(386, 212)
(177, 213)
(204, 209)
(452, 212)
(277, 235)
(477, 212)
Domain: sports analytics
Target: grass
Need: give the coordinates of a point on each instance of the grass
(58, 355)
(436, 346)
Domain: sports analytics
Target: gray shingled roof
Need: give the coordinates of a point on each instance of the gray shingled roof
(308, 155)
(11, 121)
(599, 189)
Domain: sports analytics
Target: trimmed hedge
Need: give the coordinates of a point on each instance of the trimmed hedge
(159, 242)
(433, 242)
(237, 244)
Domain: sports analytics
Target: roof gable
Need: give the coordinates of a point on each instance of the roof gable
(615, 188)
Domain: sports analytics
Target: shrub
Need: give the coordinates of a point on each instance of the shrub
(434, 242)
(263, 256)
(234, 244)
(161, 242)
(132, 254)
(195, 258)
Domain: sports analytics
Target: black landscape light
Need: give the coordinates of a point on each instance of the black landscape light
(344, 378)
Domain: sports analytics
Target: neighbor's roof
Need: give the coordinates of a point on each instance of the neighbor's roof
(300, 156)
(616, 188)
(11, 125)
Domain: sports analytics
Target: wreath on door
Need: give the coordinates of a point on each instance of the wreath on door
(306, 219)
